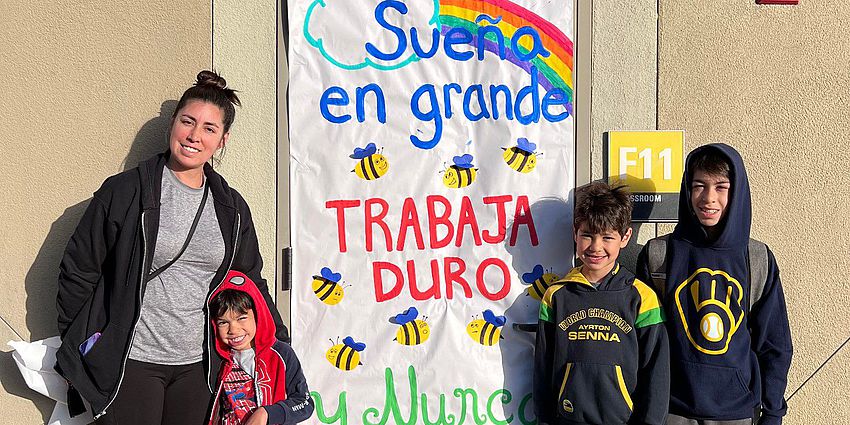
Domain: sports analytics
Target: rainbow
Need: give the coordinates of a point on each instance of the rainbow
(554, 71)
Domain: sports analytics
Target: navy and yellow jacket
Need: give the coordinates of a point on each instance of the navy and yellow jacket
(601, 355)
(726, 361)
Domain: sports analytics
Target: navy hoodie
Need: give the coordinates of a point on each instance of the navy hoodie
(601, 353)
(725, 361)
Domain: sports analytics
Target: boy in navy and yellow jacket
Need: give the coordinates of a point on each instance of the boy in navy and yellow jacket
(601, 354)
(728, 360)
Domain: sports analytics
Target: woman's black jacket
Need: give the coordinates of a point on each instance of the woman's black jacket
(101, 278)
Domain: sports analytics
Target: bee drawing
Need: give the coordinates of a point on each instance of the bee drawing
(411, 331)
(486, 331)
(372, 165)
(461, 174)
(521, 157)
(327, 288)
(538, 281)
(345, 356)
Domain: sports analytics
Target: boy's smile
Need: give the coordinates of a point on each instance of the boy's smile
(237, 330)
(709, 196)
(599, 251)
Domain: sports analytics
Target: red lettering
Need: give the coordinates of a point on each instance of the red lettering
(433, 291)
(467, 218)
(409, 219)
(377, 275)
(502, 226)
(522, 216)
(506, 279)
(340, 206)
(454, 276)
(372, 219)
(434, 220)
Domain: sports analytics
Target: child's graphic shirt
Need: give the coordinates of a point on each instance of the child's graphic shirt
(601, 353)
(238, 399)
(725, 361)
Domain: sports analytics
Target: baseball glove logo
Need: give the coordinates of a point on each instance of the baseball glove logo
(709, 304)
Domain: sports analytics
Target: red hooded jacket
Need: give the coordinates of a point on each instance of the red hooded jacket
(278, 380)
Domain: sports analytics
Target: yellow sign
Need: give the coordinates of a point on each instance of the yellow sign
(646, 161)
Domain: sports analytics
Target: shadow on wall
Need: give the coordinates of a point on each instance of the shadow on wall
(629, 254)
(13, 383)
(152, 138)
(41, 279)
(40, 285)
(553, 224)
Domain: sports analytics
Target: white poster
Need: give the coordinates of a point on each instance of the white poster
(432, 167)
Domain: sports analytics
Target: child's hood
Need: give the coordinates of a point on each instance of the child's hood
(265, 335)
(736, 222)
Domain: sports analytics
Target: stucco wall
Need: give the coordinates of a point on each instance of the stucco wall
(244, 42)
(89, 92)
(623, 89)
(87, 88)
(773, 82)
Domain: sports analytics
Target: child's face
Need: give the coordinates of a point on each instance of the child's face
(709, 196)
(599, 251)
(237, 330)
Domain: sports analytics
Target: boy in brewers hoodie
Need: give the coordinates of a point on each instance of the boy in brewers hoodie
(601, 352)
(260, 381)
(730, 343)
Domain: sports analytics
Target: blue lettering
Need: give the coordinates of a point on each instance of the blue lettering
(399, 33)
(417, 48)
(447, 100)
(359, 100)
(534, 115)
(457, 35)
(433, 114)
(498, 37)
(555, 97)
(536, 47)
(467, 100)
(494, 104)
(327, 100)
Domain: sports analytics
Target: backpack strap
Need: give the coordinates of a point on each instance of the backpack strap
(657, 258)
(758, 267)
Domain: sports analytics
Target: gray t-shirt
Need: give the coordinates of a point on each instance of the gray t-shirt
(171, 327)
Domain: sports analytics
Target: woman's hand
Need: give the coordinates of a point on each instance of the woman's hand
(259, 417)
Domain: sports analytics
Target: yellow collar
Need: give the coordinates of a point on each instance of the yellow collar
(575, 276)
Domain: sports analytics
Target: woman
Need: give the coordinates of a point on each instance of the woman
(154, 242)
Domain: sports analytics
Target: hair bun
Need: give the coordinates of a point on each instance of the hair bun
(210, 78)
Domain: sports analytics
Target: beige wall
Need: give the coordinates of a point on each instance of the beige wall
(90, 90)
(773, 82)
(623, 83)
(244, 42)
(86, 88)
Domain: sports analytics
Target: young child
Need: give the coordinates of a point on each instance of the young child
(730, 343)
(601, 354)
(260, 381)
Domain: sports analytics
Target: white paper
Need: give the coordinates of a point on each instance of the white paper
(35, 361)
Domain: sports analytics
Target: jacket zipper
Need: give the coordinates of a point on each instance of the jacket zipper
(210, 341)
(135, 321)
(215, 409)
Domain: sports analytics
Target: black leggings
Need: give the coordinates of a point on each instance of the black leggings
(153, 394)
